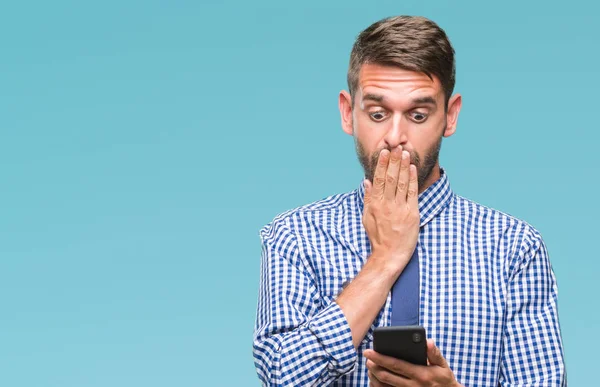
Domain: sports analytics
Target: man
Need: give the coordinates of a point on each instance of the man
(403, 248)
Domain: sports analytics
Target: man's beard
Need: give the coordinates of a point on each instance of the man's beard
(424, 166)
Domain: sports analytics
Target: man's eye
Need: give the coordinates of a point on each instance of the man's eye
(377, 116)
(419, 117)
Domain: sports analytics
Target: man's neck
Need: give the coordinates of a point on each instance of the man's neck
(432, 178)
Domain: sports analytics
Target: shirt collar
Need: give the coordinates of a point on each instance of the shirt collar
(431, 201)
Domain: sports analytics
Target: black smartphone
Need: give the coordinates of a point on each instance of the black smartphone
(407, 343)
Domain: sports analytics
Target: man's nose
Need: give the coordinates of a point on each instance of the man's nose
(396, 135)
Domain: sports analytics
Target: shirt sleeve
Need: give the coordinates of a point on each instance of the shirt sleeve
(532, 352)
(298, 339)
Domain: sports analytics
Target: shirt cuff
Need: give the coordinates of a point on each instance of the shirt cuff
(333, 333)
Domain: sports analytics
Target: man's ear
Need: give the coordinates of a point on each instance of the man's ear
(454, 105)
(345, 104)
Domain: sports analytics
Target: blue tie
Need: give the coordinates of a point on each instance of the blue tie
(405, 294)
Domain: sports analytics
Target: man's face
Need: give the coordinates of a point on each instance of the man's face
(398, 107)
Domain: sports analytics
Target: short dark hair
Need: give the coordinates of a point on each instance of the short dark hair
(412, 43)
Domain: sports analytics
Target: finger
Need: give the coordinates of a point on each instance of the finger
(391, 176)
(379, 178)
(387, 378)
(413, 187)
(373, 382)
(394, 365)
(403, 178)
(434, 355)
(368, 192)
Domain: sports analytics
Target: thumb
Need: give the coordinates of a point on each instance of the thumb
(434, 355)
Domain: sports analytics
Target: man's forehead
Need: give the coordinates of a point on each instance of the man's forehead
(387, 84)
(374, 71)
(377, 79)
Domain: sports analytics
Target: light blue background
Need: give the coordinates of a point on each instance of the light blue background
(145, 143)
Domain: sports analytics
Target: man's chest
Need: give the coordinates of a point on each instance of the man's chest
(462, 289)
(455, 269)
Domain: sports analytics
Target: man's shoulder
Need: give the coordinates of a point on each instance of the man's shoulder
(286, 222)
(487, 216)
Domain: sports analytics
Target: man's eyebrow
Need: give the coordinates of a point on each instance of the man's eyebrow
(425, 101)
(373, 97)
(428, 100)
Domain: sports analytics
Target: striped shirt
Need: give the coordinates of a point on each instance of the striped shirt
(488, 294)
